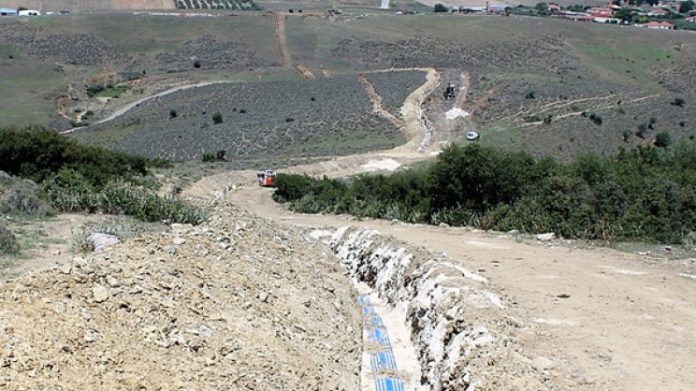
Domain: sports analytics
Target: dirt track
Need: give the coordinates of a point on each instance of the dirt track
(603, 319)
(283, 52)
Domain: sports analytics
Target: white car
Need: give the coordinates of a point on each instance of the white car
(471, 136)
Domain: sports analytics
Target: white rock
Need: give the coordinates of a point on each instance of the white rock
(546, 237)
(100, 294)
(542, 363)
(100, 241)
(263, 296)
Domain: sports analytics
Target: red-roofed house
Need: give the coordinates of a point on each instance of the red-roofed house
(658, 12)
(691, 19)
(601, 12)
(553, 7)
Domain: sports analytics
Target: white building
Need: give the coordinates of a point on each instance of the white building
(29, 13)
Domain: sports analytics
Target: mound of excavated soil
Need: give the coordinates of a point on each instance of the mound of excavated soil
(233, 304)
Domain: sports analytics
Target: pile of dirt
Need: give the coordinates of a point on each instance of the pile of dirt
(232, 304)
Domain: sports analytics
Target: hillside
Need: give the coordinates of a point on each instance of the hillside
(562, 90)
(257, 296)
(89, 5)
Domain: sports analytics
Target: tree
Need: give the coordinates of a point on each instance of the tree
(663, 140)
(197, 64)
(217, 118)
(439, 7)
(686, 6)
(678, 102)
(172, 113)
(541, 7)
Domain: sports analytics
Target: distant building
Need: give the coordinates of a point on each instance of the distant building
(553, 7)
(657, 25)
(29, 13)
(691, 19)
(657, 12)
(8, 12)
(601, 12)
(577, 16)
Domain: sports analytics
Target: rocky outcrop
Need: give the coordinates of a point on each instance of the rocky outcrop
(235, 304)
(464, 339)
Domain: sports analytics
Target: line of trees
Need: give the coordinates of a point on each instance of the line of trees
(646, 193)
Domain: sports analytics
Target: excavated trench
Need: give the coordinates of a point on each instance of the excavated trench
(445, 325)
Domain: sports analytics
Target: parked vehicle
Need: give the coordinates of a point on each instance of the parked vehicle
(266, 178)
(472, 136)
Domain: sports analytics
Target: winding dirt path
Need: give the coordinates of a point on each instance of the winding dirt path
(126, 108)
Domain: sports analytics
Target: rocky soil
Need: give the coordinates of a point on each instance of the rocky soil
(237, 303)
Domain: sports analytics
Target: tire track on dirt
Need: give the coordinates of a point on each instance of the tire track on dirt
(281, 39)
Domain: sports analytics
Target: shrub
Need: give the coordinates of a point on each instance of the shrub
(37, 154)
(596, 118)
(678, 102)
(68, 191)
(197, 64)
(219, 156)
(439, 7)
(160, 162)
(645, 193)
(8, 242)
(217, 118)
(172, 113)
(21, 196)
(663, 140)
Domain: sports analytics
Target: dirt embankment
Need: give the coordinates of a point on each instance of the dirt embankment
(233, 304)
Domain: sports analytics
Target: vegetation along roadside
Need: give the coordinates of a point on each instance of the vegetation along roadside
(65, 176)
(646, 193)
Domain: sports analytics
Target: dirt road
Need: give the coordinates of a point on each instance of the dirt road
(283, 52)
(595, 319)
(127, 107)
(606, 319)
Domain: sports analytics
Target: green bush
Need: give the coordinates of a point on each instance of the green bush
(219, 156)
(37, 154)
(663, 140)
(439, 7)
(646, 193)
(68, 191)
(78, 178)
(217, 118)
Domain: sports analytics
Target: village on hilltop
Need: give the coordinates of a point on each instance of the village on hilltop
(651, 14)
